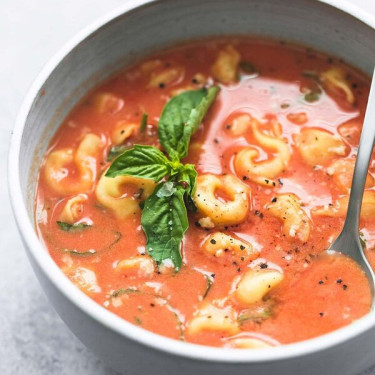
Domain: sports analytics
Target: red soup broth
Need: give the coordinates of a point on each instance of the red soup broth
(274, 83)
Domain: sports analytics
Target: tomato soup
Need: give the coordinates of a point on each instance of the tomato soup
(194, 193)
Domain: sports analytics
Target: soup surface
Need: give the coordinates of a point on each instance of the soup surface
(274, 153)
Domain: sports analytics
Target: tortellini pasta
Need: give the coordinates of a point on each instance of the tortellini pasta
(122, 132)
(73, 209)
(84, 159)
(342, 170)
(256, 283)
(263, 172)
(199, 80)
(334, 80)
(241, 125)
(340, 206)
(166, 77)
(319, 147)
(214, 318)
(150, 65)
(218, 243)
(109, 193)
(225, 68)
(219, 212)
(287, 208)
(83, 278)
(106, 103)
(248, 343)
(142, 265)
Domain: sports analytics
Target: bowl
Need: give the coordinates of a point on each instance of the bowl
(119, 38)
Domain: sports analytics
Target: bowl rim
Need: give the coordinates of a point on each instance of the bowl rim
(98, 313)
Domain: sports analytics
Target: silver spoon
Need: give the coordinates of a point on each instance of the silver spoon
(348, 242)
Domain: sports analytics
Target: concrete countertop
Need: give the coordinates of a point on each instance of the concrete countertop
(33, 339)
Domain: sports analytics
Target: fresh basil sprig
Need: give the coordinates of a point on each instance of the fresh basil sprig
(181, 118)
(164, 216)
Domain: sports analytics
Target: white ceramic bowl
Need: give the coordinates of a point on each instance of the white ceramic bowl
(136, 29)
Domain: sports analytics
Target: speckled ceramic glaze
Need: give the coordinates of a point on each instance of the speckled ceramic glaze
(121, 37)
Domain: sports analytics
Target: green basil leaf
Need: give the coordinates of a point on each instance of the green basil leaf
(143, 125)
(181, 117)
(72, 227)
(141, 161)
(187, 178)
(164, 221)
(188, 174)
(312, 96)
(209, 282)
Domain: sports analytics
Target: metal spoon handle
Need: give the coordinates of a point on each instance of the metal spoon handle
(365, 149)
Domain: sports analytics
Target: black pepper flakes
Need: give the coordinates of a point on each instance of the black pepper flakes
(344, 287)
(261, 215)
(274, 200)
(213, 241)
(161, 85)
(338, 281)
(263, 266)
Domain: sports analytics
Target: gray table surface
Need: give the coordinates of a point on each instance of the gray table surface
(33, 339)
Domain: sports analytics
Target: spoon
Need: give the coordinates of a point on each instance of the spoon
(348, 241)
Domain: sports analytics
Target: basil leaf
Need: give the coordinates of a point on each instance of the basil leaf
(141, 161)
(312, 96)
(164, 221)
(143, 125)
(188, 174)
(181, 117)
(72, 227)
(209, 282)
(187, 178)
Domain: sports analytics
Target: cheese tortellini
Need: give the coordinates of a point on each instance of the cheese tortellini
(106, 103)
(122, 132)
(142, 265)
(318, 147)
(218, 243)
(214, 318)
(342, 170)
(248, 343)
(166, 77)
(241, 125)
(84, 278)
(73, 209)
(84, 159)
(109, 193)
(263, 172)
(334, 80)
(216, 211)
(225, 68)
(340, 206)
(287, 208)
(256, 283)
